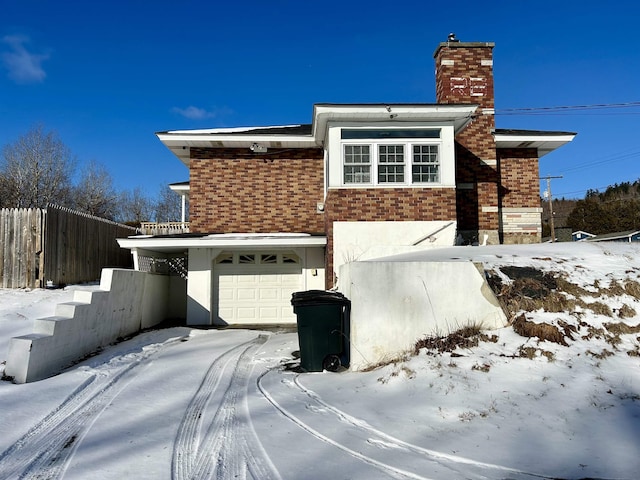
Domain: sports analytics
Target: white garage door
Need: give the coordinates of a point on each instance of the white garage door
(252, 288)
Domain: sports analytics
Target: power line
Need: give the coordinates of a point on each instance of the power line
(595, 106)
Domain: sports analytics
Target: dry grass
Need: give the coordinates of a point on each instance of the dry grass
(532, 352)
(602, 355)
(399, 359)
(532, 290)
(543, 331)
(622, 328)
(632, 288)
(485, 367)
(465, 337)
(626, 311)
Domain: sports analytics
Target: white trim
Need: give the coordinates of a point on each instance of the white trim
(445, 143)
(489, 209)
(457, 115)
(543, 143)
(224, 241)
(522, 209)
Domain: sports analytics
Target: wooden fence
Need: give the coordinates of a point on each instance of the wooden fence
(57, 245)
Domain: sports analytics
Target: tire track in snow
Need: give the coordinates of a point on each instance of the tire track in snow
(368, 444)
(223, 445)
(45, 451)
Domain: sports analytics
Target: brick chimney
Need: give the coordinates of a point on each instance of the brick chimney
(464, 75)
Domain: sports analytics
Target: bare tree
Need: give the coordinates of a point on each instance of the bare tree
(94, 193)
(36, 170)
(135, 207)
(168, 206)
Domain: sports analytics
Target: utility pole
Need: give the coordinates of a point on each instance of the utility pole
(550, 199)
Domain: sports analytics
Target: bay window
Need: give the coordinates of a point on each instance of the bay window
(385, 163)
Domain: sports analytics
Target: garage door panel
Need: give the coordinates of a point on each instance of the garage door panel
(246, 279)
(253, 294)
(269, 294)
(247, 294)
(269, 313)
(226, 293)
(246, 313)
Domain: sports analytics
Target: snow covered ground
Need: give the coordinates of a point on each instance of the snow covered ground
(185, 403)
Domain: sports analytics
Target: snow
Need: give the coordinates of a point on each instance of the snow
(209, 131)
(187, 403)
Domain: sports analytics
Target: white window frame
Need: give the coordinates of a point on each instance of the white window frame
(375, 164)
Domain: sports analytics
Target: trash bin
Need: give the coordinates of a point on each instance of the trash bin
(323, 329)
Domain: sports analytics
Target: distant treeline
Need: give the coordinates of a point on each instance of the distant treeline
(616, 209)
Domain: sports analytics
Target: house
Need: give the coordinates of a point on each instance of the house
(581, 236)
(278, 209)
(628, 236)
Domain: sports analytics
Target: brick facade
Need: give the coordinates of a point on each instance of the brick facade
(235, 190)
(384, 204)
(464, 75)
(519, 196)
(520, 178)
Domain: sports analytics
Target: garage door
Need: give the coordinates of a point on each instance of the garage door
(252, 288)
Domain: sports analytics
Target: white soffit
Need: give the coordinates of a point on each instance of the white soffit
(224, 241)
(180, 142)
(544, 143)
(459, 115)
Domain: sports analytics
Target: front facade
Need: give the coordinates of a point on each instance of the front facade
(275, 210)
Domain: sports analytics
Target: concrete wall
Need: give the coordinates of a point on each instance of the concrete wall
(367, 240)
(394, 304)
(127, 302)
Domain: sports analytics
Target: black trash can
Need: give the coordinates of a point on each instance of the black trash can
(323, 329)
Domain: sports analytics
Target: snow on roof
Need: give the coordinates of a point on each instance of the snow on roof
(272, 129)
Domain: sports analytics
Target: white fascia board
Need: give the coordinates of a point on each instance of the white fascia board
(543, 143)
(221, 241)
(213, 140)
(460, 115)
(180, 188)
(180, 142)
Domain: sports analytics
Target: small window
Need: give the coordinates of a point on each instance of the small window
(357, 164)
(358, 133)
(225, 258)
(290, 258)
(245, 259)
(390, 163)
(426, 165)
(269, 258)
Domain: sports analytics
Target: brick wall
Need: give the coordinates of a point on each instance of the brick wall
(520, 184)
(464, 75)
(235, 190)
(520, 196)
(384, 204)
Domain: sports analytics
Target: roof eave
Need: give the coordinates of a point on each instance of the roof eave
(180, 143)
(459, 115)
(224, 241)
(543, 143)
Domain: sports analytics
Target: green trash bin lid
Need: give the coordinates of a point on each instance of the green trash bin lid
(318, 297)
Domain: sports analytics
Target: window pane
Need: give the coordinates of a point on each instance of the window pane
(390, 163)
(268, 258)
(246, 259)
(351, 134)
(426, 164)
(357, 164)
(225, 258)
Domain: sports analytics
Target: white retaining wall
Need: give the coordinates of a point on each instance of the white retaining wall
(126, 302)
(394, 304)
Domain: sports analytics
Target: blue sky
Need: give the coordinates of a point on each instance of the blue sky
(108, 75)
